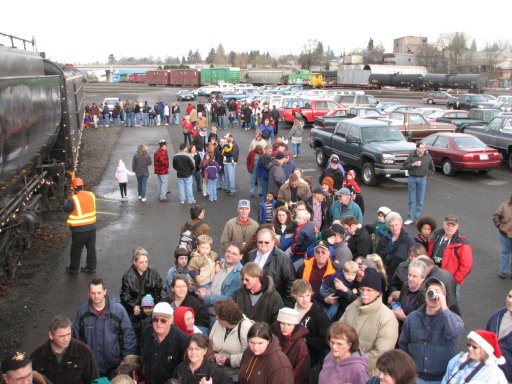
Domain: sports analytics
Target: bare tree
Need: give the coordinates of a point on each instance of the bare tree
(309, 55)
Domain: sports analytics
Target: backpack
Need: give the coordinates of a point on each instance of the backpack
(188, 238)
(265, 133)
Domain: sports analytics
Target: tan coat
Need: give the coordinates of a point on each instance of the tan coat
(376, 326)
(502, 219)
(303, 192)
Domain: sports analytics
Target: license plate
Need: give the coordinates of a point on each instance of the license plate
(484, 157)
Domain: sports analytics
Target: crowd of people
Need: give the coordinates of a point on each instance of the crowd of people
(310, 292)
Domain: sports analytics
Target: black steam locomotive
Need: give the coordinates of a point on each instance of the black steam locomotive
(41, 115)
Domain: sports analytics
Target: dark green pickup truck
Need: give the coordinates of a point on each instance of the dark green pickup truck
(475, 116)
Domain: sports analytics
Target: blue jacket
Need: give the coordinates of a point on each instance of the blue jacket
(431, 341)
(261, 167)
(229, 286)
(338, 211)
(493, 325)
(262, 214)
(109, 335)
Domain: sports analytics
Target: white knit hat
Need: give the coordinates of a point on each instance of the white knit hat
(288, 316)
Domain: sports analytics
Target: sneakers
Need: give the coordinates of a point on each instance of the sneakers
(143, 199)
(71, 271)
(164, 200)
(408, 222)
(87, 270)
(140, 197)
(182, 202)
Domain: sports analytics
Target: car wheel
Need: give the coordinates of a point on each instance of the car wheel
(368, 173)
(483, 171)
(430, 101)
(321, 159)
(447, 167)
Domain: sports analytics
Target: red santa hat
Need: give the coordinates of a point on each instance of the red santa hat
(489, 342)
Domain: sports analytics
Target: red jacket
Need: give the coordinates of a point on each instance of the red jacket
(161, 162)
(189, 108)
(251, 160)
(457, 256)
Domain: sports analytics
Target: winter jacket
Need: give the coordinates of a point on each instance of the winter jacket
(317, 323)
(159, 360)
(505, 342)
(262, 166)
(303, 192)
(140, 164)
(110, 335)
(267, 131)
(202, 268)
(267, 306)
(353, 369)
(231, 345)
(271, 367)
(457, 371)
(250, 161)
(457, 256)
(208, 369)
(305, 235)
(502, 219)
(376, 326)
(201, 229)
(324, 208)
(338, 211)
(135, 286)
(337, 176)
(161, 161)
(360, 243)
(78, 365)
(262, 212)
(426, 168)
(212, 170)
(341, 254)
(450, 284)
(280, 268)
(183, 164)
(234, 231)
(276, 177)
(428, 244)
(295, 347)
(200, 142)
(231, 153)
(231, 283)
(122, 173)
(289, 168)
(296, 133)
(399, 278)
(254, 143)
(431, 341)
(393, 253)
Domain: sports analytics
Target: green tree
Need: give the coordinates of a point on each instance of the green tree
(370, 44)
(211, 56)
(189, 57)
(309, 55)
(473, 46)
(111, 59)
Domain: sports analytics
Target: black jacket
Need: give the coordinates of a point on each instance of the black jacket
(161, 359)
(325, 212)
(360, 243)
(201, 318)
(336, 176)
(183, 164)
(134, 287)
(78, 365)
(208, 369)
(280, 268)
(317, 322)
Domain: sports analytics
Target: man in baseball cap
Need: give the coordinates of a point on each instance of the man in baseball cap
(241, 228)
(17, 368)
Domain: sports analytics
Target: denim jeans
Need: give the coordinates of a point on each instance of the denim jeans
(177, 118)
(139, 118)
(220, 122)
(263, 185)
(506, 253)
(220, 180)
(212, 189)
(229, 174)
(253, 178)
(198, 179)
(162, 182)
(417, 186)
(186, 191)
(131, 118)
(145, 119)
(106, 118)
(296, 149)
(116, 120)
(142, 182)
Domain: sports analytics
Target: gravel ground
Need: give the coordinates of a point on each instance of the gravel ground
(19, 295)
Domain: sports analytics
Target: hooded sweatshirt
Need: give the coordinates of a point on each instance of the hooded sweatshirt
(122, 172)
(295, 347)
(353, 369)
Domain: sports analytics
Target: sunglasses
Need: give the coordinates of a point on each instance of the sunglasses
(159, 320)
(263, 242)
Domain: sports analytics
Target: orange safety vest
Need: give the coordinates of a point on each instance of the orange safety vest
(85, 209)
(308, 267)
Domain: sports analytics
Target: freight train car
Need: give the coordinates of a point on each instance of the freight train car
(184, 77)
(41, 129)
(155, 78)
(211, 76)
(261, 77)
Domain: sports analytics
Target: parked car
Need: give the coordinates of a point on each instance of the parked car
(398, 108)
(356, 100)
(309, 109)
(415, 127)
(449, 114)
(185, 94)
(453, 152)
(426, 112)
(385, 104)
(467, 101)
(434, 97)
(474, 116)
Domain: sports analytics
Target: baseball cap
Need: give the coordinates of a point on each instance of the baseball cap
(280, 155)
(244, 204)
(14, 361)
(322, 244)
(434, 281)
(163, 309)
(384, 210)
(162, 142)
(343, 192)
(319, 190)
(451, 219)
(334, 159)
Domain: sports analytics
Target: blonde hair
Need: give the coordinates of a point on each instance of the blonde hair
(300, 287)
(380, 265)
(122, 379)
(350, 267)
(251, 269)
(138, 252)
(141, 149)
(204, 239)
(304, 215)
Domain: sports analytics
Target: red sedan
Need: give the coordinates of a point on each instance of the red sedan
(454, 152)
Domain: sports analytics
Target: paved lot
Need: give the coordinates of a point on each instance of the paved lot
(155, 225)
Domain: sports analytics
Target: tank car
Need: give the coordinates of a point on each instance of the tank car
(41, 122)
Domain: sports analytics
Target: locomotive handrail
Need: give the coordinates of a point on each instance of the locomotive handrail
(24, 41)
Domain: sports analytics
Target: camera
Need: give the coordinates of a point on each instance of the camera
(431, 294)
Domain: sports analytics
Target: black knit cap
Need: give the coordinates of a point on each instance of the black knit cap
(372, 279)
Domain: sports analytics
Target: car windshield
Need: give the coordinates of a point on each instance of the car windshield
(336, 112)
(382, 133)
(437, 114)
(468, 142)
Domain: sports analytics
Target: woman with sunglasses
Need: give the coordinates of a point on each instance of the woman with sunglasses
(199, 366)
(480, 363)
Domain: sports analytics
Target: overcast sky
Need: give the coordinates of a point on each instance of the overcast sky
(88, 31)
